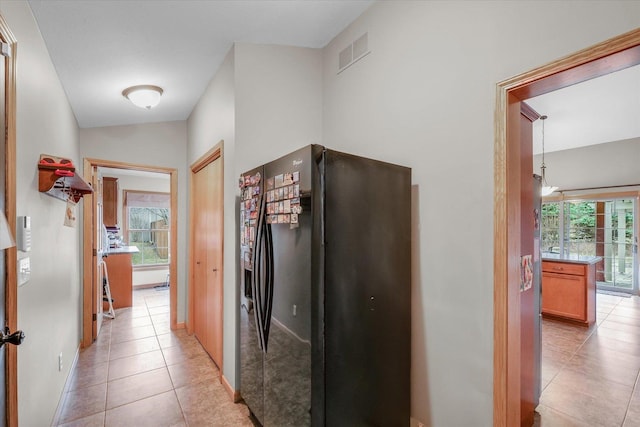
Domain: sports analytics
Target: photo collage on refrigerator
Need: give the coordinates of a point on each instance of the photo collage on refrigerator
(283, 199)
(249, 206)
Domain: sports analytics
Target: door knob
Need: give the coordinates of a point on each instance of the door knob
(15, 338)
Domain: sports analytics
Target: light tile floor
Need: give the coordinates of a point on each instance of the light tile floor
(140, 373)
(590, 375)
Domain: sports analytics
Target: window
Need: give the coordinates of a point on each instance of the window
(600, 227)
(148, 217)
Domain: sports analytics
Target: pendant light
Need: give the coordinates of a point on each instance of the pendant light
(546, 188)
(143, 96)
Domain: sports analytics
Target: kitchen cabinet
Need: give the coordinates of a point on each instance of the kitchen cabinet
(110, 201)
(569, 289)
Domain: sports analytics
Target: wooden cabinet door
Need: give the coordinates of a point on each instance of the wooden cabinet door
(214, 259)
(110, 201)
(564, 295)
(207, 258)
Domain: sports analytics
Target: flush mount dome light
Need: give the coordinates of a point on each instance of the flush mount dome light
(143, 96)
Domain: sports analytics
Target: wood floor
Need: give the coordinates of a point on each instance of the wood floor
(140, 373)
(590, 375)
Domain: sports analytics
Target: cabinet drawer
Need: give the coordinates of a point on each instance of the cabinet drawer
(563, 268)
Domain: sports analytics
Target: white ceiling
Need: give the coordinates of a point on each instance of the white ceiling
(100, 47)
(597, 111)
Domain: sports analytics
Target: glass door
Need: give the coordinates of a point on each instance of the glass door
(616, 243)
(600, 227)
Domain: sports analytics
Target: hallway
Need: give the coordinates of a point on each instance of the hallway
(590, 375)
(140, 373)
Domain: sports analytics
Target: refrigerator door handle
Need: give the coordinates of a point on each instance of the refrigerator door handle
(256, 274)
(269, 265)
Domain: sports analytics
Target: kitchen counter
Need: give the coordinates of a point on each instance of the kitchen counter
(122, 250)
(573, 259)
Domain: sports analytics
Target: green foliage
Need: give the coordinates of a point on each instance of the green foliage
(582, 220)
(148, 254)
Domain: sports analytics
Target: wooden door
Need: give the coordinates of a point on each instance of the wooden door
(528, 315)
(207, 258)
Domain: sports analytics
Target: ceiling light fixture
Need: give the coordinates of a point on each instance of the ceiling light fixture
(143, 96)
(546, 188)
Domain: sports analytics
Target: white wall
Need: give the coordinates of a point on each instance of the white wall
(212, 121)
(603, 165)
(425, 98)
(155, 144)
(49, 305)
(278, 102)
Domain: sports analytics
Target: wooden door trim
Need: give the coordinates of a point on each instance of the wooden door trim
(88, 275)
(215, 153)
(11, 254)
(611, 55)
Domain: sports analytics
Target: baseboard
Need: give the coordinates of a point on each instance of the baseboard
(180, 325)
(65, 389)
(234, 394)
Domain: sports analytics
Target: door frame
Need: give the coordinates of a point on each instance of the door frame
(11, 254)
(215, 153)
(90, 273)
(603, 58)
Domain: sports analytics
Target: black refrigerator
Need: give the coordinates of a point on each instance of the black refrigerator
(325, 318)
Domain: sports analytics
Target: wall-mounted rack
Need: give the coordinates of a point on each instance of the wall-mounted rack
(62, 182)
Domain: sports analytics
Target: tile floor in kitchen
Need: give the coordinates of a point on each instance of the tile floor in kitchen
(140, 373)
(590, 375)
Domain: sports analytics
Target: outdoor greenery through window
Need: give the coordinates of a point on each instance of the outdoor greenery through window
(149, 231)
(585, 228)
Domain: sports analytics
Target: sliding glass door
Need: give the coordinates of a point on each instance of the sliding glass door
(603, 227)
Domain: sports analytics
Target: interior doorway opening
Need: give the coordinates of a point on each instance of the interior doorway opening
(94, 241)
(609, 56)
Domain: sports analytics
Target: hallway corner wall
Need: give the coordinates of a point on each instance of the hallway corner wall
(213, 120)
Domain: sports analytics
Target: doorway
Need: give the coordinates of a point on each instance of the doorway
(206, 272)
(92, 283)
(609, 56)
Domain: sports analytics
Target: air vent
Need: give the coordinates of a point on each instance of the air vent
(353, 53)
(346, 57)
(361, 46)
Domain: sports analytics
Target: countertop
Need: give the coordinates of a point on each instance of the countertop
(122, 250)
(574, 259)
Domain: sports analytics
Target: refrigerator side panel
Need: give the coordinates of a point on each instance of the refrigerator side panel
(367, 292)
(251, 355)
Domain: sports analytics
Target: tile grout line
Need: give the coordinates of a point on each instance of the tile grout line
(633, 390)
